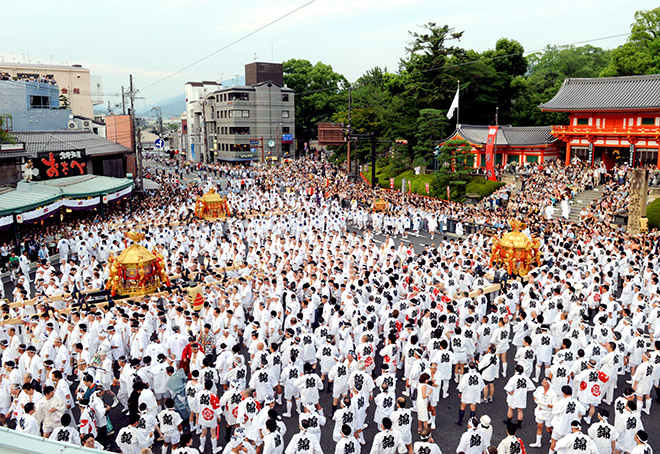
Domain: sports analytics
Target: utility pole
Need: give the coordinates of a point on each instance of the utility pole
(205, 156)
(159, 128)
(123, 101)
(137, 139)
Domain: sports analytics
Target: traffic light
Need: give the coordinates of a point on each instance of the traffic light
(401, 141)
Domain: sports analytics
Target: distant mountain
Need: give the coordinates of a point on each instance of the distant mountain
(170, 107)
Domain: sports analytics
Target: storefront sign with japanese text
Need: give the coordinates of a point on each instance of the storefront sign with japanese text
(58, 164)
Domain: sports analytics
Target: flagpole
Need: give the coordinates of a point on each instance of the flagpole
(458, 109)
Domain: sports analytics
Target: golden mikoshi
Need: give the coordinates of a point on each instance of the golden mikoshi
(136, 271)
(212, 206)
(516, 251)
(381, 205)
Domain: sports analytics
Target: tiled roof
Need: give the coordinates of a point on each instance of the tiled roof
(507, 135)
(607, 94)
(45, 141)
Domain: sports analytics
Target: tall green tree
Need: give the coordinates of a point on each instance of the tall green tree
(426, 81)
(455, 162)
(641, 53)
(369, 101)
(317, 90)
(508, 62)
(545, 75)
(432, 125)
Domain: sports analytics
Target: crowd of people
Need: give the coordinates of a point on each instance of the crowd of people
(316, 313)
(46, 79)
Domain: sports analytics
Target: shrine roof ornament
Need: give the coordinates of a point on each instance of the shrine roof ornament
(629, 93)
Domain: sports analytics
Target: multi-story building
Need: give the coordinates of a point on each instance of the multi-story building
(81, 90)
(196, 149)
(252, 122)
(32, 106)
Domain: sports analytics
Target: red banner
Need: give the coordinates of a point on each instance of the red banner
(490, 152)
(391, 183)
(448, 197)
(427, 188)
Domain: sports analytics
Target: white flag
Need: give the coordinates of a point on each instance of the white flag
(454, 106)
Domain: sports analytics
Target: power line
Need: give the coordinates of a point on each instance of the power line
(231, 44)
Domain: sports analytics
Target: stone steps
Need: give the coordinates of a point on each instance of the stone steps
(583, 199)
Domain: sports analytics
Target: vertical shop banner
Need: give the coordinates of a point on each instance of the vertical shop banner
(490, 152)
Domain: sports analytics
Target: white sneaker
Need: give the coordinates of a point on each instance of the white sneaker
(286, 415)
(535, 445)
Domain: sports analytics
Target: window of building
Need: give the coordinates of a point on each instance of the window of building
(239, 96)
(582, 121)
(285, 129)
(240, 130)
(231, 114)
(285, 97)
(648, 121)
(39, 102)
(246, 114)
(285, 114)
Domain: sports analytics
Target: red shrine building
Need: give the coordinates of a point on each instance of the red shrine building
(517, 144)
(612, 119)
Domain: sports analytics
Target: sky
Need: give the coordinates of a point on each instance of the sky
(154, 39)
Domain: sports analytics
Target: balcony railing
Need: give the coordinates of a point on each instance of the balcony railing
(644, 130)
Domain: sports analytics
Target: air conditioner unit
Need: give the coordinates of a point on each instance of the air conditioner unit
(72, 125)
